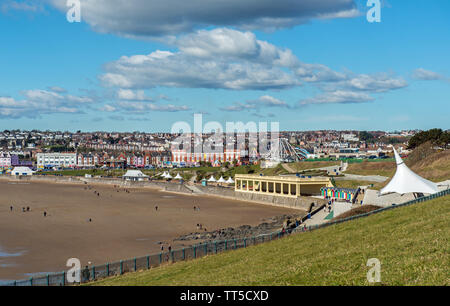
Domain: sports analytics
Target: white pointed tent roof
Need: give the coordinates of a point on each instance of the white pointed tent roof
(230, 180)
(164, 174)
(168, 176)
(178, 177)
(406, 181)
(212, 179)
(221, 180)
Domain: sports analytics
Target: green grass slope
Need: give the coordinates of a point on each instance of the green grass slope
(411, 242)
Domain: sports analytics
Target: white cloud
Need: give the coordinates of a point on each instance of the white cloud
(187, 71)
(128, 94)
(107, 108)
(140, 107)
(338, 96)
(426, 75)
(145, 18)
(375, 83)
(38, 102)
(25, 5)
(263, 101)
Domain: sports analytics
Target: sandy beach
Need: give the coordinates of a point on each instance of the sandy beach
(123, 224)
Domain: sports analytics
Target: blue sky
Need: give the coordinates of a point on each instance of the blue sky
(122, 69)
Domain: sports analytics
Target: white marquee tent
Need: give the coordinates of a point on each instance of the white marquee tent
(178, 177)
(230, 180)
(168, 176)
(221, 180)
(406, 181)
(212, 179)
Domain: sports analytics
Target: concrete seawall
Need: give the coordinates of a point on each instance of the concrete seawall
(302, 203)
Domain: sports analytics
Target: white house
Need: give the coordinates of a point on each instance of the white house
(22, 171)
(135, 175)
(56, 160)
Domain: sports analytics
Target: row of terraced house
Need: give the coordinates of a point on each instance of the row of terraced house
(93, 160)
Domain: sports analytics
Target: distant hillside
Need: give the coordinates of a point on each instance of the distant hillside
(410, 242)
(424, 160)
(430, 163)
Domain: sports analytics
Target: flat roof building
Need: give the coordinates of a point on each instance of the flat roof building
(284, 186)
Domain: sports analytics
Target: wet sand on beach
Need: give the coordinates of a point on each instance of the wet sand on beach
(124, 225)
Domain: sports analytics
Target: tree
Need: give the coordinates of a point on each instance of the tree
(435, 136)
(366, 136)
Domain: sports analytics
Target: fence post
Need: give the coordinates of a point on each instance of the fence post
(206, 249)
(121, 267)
(148, 262)
(31, 281)
(93, 272)
(64, 278)
(254, 240)
(48, 280)
(135, 266)
(235, 246)
(160, 258)
(195, 251)
(107, 269)
(215, 247)
(184, 255)
(226, 245)
(245, 243)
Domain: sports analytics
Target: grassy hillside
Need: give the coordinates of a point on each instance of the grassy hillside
(411, 242)
(424, 160)
(371, 168)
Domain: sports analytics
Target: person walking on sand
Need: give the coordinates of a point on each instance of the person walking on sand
(45, 214)
(156, 207)
(11, 208)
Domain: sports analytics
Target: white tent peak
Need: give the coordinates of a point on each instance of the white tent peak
(221, 180)
(406, 181)
(212, 179)
(178, 177)
(230, 180)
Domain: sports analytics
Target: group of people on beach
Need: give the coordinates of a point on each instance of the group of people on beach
(200, 227)
(25, 209)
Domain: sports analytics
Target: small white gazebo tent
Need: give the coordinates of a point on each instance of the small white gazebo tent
(212, 179)
(168, 176)
(406, 181)
(221, 180)
(230, 180)
(178, 177)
